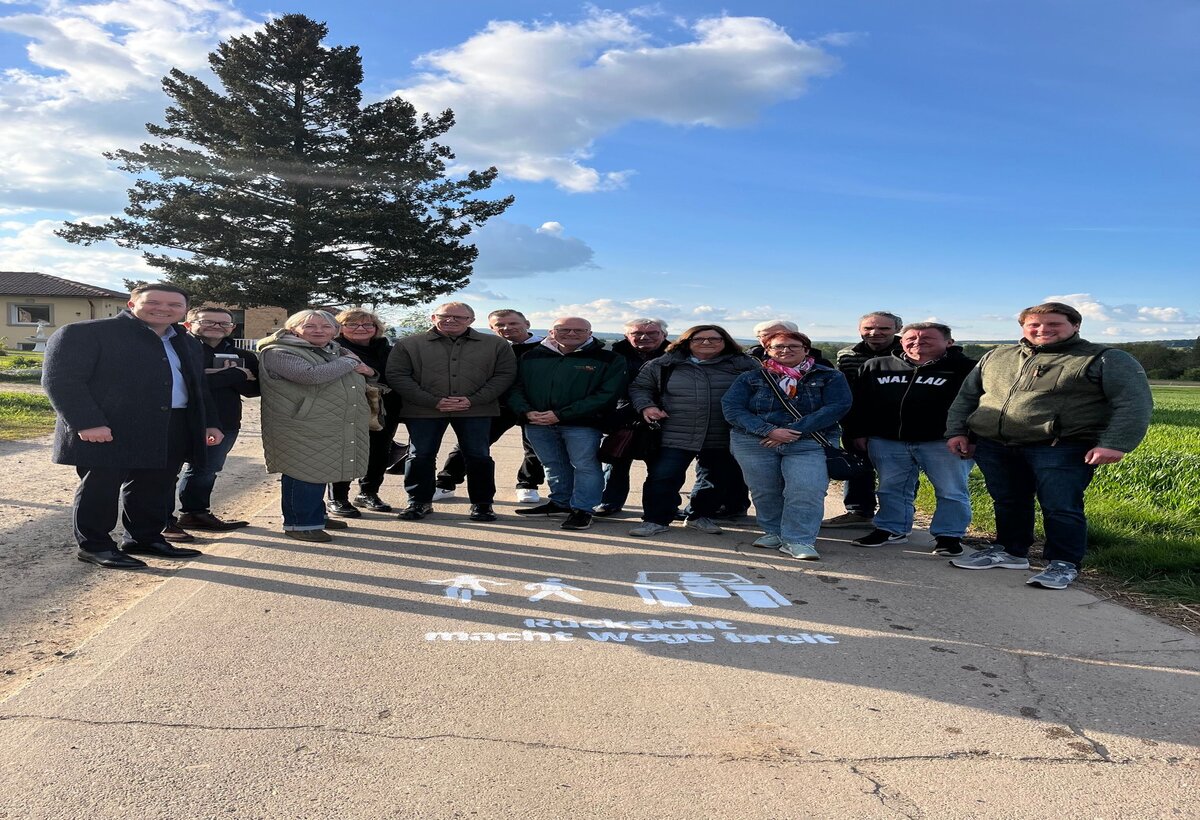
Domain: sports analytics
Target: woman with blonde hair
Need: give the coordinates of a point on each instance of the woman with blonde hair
(362, 333)
(315, 417)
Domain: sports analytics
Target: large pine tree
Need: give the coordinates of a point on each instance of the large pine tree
(282, 189)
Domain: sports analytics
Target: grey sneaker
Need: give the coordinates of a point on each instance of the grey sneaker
(990, 558)
(848, 520)
(769, 542)
(1058, 575)
(647, 529)
(802, 551)
(704, 525)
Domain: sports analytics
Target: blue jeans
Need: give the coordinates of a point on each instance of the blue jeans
(196, 483)
(1053, 474)
(303, 504)
(666, 474)
(616, 484)
(899, 464)
(474, 442)
(788, 484)
(573, 470)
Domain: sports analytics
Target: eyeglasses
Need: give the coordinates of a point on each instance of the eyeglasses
(707, 340)
(571, 330)
(782, 348)
(207, 323)
(450, 317)
(360, 325)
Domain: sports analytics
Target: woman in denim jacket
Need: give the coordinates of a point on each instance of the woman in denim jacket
(784, 467)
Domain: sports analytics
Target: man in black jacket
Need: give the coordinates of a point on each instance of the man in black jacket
(899, 417)
(230, 374)
(132, 407)
(880, 337)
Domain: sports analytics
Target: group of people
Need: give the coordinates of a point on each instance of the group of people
(149, 409)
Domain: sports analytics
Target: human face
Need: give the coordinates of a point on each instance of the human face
(510, 326)
(924, 346)
(877, 331)
(645, 338)
(570, 334)
(359, 329)
(787, 352)
(159, 308)
(211, 326)
(1047, 328)
(316, 331)
(452, 320)
(706, 344)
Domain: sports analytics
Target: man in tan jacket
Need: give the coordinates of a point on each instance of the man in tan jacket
(452, 376)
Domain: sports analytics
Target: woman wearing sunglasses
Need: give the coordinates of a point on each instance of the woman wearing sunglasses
(783, 466)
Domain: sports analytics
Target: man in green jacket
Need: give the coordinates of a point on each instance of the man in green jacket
(565, 391)
(451, 376)
(1039, 417)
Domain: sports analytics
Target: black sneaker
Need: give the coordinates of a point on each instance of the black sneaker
(372, 502)
(577, 520)
(877, 538)
(482, 512)
(342, 508)
(947, 545)
(415, 512)
(549, 508)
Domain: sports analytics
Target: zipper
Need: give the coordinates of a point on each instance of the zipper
(907, 389)
(1039, 369)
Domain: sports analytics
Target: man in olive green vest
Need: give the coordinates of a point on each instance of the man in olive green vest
(1039, 417)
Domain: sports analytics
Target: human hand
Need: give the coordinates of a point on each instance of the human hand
(250, 377)
(1102, 455)
(782, 435)
(96, 435)
(363, 369)
(213, 436)
(655, 414)
(453, 404)
(961, 446)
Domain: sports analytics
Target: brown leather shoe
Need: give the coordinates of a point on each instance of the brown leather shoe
(172, 532)
(208, 521)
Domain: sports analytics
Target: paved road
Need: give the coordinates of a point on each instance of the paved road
(603, 676)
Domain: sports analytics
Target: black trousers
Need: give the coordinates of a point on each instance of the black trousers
(144, 497)
(380, 442)
(530, 476)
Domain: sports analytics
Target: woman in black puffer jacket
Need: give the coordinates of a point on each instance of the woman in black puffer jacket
(362, 333)
(682, 391)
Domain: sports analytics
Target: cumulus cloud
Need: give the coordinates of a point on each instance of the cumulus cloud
(533, 99)
(1092, 308)
(481, 292)
(508, 249)
(34, 247)
(92, 84)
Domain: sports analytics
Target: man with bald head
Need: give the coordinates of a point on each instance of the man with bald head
(565, 392)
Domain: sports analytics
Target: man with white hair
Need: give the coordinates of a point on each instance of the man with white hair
(645, 339)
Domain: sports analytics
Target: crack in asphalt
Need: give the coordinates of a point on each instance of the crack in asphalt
(1063, 714)
(880, 791)
(784, 757)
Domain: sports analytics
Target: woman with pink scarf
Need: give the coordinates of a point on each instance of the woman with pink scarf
(783, 465)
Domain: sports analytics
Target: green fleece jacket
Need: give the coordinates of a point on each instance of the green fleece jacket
(582, 387)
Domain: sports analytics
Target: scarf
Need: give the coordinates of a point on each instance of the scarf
(789, 377)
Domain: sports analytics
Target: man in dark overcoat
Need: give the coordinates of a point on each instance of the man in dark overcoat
(132, 407)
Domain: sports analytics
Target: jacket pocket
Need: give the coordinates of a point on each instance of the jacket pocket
(305, 407)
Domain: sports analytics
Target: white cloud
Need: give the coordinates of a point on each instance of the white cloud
(94, 82)
(34, 247)
(533, 99)
(610, 314)
(481, 292)
(508, 250)
(1093, 308)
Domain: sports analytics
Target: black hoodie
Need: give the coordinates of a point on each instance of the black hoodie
(896, 399)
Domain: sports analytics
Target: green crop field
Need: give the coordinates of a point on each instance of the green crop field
(1143, 512)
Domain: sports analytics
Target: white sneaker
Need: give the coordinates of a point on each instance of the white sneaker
(805, 552)
(441, 495)
(647, 529)
(704, 525)
(527, 496)
(768, 541)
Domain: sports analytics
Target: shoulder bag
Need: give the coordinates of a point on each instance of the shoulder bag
(842, 464)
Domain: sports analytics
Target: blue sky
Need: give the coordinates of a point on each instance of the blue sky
(711, 162)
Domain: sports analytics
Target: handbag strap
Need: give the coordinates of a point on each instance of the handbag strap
(774, 385)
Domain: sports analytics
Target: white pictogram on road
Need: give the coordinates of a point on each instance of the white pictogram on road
(676, 589)
(553, 586)
(465, 587)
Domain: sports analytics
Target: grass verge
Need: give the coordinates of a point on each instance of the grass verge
(24, 415)
(1143, 512)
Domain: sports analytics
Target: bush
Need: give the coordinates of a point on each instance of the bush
(23, 361)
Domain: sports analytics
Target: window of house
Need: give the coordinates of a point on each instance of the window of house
(19, 314)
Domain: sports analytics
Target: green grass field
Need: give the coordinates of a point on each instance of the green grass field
(24, 415)
(1143, 512)
(17, 361)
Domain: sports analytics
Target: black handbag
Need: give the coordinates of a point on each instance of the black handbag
(842, 464)
(640, 441)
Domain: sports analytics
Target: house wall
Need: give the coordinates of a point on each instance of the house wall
(59, 310)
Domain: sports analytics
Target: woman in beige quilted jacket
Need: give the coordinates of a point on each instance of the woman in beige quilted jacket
(315, 417)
